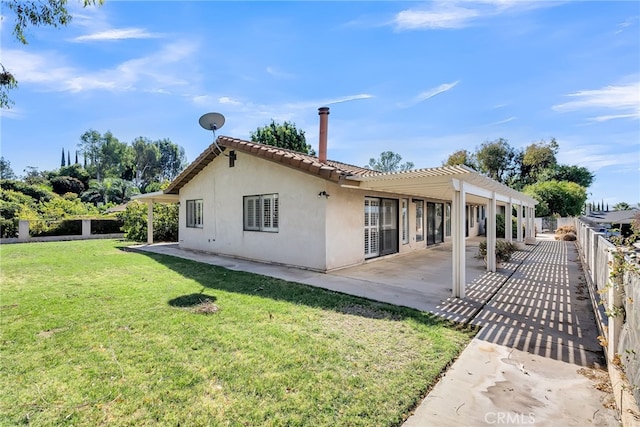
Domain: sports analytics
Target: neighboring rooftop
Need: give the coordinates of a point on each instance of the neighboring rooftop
(611, 217)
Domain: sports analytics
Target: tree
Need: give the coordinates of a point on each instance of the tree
(75, 171)
(146, 161)
(621, 206)
(172, 159)
(389, 162)
(561, 198)
(90, 144)
(496, 159)
(578, 174)
(32, 13)
(62, 162)
(67, 184)
(536, 158)
(461, 157)
(5, 169)
(34, 177)
(284, 136)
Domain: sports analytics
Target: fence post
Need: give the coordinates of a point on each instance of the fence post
(86, 227)
(23, 230)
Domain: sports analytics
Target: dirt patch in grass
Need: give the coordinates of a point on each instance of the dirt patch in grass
(197, 303)
(50, 332)
(368, 312)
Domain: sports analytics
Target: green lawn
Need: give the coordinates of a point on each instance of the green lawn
(93, 334)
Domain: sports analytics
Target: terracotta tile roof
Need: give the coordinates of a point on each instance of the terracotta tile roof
(331, 170)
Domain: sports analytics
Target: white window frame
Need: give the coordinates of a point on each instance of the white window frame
(261, 213)
(195, 213)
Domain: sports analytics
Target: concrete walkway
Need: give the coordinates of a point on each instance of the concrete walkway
(536, 360)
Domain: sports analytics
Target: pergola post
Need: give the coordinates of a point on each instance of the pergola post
(150, 221)
(491, 234)
(459, 250)
(519, 221)
(508, 222)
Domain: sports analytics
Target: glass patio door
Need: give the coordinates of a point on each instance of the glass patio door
(371, 227)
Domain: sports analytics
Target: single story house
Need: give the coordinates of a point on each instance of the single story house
(259, 202)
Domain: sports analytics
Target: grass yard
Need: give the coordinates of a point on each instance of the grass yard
(94, 334)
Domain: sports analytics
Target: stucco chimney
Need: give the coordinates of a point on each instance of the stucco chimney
(323, 112)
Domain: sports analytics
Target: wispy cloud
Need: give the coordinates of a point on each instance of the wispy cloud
(595, 157)
(282, 111)
(155, 72)
(624, 99)
(626, 24)
(348, 98)
(279, 73)
(440, 16)
(510, 119)
(458, 14)
(118, 34)
(229, 101)
(429, 93)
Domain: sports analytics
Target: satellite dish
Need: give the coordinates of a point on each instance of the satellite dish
(212, 121)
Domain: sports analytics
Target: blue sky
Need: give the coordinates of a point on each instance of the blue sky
(422, 79)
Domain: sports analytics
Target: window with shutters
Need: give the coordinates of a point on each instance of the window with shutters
(261, 213)
(194, 213)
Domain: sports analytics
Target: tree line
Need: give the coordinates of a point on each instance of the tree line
(560, 189)
(112, 170)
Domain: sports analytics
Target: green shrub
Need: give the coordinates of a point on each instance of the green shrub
(165, 222)
(67, 184)
(66, 227)
(9, 219)
(34, 191)
(106, 226)
(504, 250)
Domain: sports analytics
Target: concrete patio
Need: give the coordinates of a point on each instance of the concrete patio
(536, 360)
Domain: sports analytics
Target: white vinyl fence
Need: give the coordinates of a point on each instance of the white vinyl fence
(617, 308)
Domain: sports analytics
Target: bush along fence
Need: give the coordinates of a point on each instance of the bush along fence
(69, 229)
(613, 277)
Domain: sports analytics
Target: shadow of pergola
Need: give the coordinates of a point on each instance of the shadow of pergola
(538, 303)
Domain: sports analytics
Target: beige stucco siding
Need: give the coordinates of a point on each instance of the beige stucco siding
(300, 240)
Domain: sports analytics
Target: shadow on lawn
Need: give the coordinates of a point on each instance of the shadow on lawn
(219, 278)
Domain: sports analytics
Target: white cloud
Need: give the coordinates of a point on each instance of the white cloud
(349, 98)
(459, 14)
(625, 99)
(447, 16)
(154, 72)
(229, 101)
(279, 74)
(430, 93)
(510, 119)
(117, 34)
(595, 157)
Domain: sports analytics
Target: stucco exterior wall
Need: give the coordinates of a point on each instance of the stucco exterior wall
(315, 232)
(300, 240)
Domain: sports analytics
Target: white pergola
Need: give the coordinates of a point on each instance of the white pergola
(460, 185)
(150, 199)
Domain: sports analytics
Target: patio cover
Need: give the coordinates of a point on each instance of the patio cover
(461, 185)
